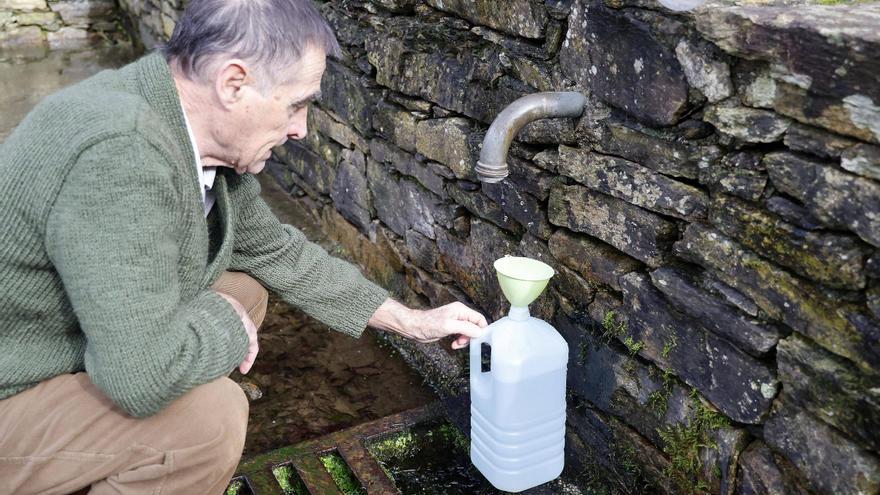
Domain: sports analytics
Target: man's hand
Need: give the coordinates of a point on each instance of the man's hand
(250, 328)
(430, 325)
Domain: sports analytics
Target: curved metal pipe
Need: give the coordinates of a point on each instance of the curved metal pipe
(492, 165)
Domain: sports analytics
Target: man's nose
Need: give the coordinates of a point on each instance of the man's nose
(298, 125)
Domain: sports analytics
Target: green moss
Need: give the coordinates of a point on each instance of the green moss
(234, 487)
(658, 400)
(290, 482)
(583, 352)
(669, 345)
(683, 444)
(452, 435)
(633, 346)
(341, 474)
(397, 446)
(612, 327)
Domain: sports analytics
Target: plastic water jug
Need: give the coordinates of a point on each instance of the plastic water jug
(518, 405)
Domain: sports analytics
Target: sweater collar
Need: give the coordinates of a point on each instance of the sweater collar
(157, 86)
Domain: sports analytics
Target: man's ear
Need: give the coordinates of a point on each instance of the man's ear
(232, 78)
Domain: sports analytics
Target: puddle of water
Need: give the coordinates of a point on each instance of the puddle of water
(316, 381)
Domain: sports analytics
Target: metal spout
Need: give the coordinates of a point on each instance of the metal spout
(492, 165)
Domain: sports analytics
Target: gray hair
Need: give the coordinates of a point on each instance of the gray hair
(266, 33)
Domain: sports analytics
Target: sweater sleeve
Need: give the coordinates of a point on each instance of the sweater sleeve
(111, 236)
(329, 289)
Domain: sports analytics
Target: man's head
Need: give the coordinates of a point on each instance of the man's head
(251, 67)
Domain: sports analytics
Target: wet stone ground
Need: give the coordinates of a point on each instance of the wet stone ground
(28, 77)
(315, 381)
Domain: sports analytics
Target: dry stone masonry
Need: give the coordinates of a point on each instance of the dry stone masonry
(30, 27)
(713, 218)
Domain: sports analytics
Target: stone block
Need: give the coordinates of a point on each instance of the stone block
(397, 125)
(337, 131)
(422, 251)
(832, 259)
(318, 173)
(808, 139)
(456, 70)
(23, 5)
(792, 212)
(349, 97)
(615, 454)
(548, 131)
(482, 206)
(740, 174)
(748, 124)
(828, 460)
(862, 159)
(819, 47)
(469, 263)
(854, 116)
(374, 255)
(594, 260)
(82, 13)
(448, 141)
(838, 199)
(516, 17)
(635, 73)
(831, 389)
(739, 385)
(397, 6)
(47, 20)
(350, 192)
(761, 472)
(872, 299)
(703, 70)
(666, 156)
(521, 206)
(437, 292)
(633, 183)
(428, 175)
(68, 38)
(406, 205)
(834, 324)
(24, 40)
(527, 177)
(749, 334)
(638, 233)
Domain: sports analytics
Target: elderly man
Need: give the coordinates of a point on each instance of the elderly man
(135, 248)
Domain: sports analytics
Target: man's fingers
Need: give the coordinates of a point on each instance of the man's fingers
(461, 342)
(463, 327)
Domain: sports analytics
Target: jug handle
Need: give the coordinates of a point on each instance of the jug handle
(479, 379)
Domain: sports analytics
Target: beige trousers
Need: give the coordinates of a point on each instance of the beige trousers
(64, 435)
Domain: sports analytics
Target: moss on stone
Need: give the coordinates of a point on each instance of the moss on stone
(633, 346)
(234, 487)
(612, 326)
(342, 474)
(289, 481)
(683, 444)
(668, 346)
(658, 400)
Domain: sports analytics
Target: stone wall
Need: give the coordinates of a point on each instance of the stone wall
(713, 218)
(30, 27)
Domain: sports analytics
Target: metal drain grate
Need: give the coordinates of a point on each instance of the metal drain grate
(256, 475)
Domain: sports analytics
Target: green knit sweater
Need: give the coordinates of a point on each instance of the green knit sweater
(106, 258)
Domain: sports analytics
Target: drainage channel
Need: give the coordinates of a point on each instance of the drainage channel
(308, 464)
